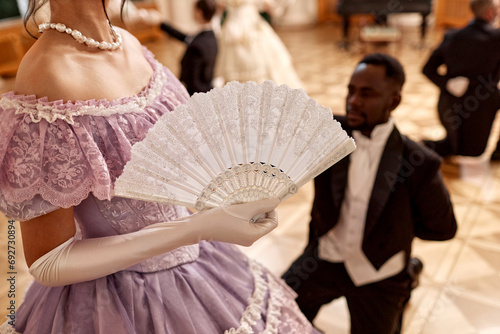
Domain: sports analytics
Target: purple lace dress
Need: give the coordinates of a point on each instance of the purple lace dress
(56, 154)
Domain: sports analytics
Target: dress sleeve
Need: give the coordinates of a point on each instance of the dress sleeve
(45, 166)
(48, 165)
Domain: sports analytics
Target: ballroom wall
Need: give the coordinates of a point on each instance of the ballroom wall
(179, 13)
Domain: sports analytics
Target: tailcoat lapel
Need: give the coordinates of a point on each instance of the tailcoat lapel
(338, 181)
(387, 176)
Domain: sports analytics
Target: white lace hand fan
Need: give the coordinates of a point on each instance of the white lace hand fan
(235, 144)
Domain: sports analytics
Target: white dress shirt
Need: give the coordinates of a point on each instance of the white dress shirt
(343, 243)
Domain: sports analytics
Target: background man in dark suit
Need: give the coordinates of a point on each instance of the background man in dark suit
(368, 208)
(469, 97)
(197, 65)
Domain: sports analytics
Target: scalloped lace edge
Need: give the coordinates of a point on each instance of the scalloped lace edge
(253, 311)
(38, 111)
(101, 192)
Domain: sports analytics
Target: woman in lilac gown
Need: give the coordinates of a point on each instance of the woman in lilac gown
(66, 132)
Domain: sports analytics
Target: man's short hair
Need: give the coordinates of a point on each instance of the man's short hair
(479, 7)
(393, 68)
(207, 7)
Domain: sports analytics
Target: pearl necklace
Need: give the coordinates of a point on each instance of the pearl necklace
(117, 38)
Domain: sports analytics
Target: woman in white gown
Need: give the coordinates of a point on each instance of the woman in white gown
(249, 49)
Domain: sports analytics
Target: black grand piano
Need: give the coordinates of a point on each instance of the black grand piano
(380, 9)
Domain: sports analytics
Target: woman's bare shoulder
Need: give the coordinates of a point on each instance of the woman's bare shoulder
(61, 70)
(129, 39)
(43, 71)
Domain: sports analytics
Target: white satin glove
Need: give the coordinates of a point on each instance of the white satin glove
(457, 86)
(83, 260)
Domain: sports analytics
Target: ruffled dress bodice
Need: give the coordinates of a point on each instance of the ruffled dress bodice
(60, 154)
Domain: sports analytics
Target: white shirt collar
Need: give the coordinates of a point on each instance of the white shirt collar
(379, 134)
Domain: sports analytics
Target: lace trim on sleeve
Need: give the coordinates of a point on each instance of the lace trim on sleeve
(27, 209)
(59, 162)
